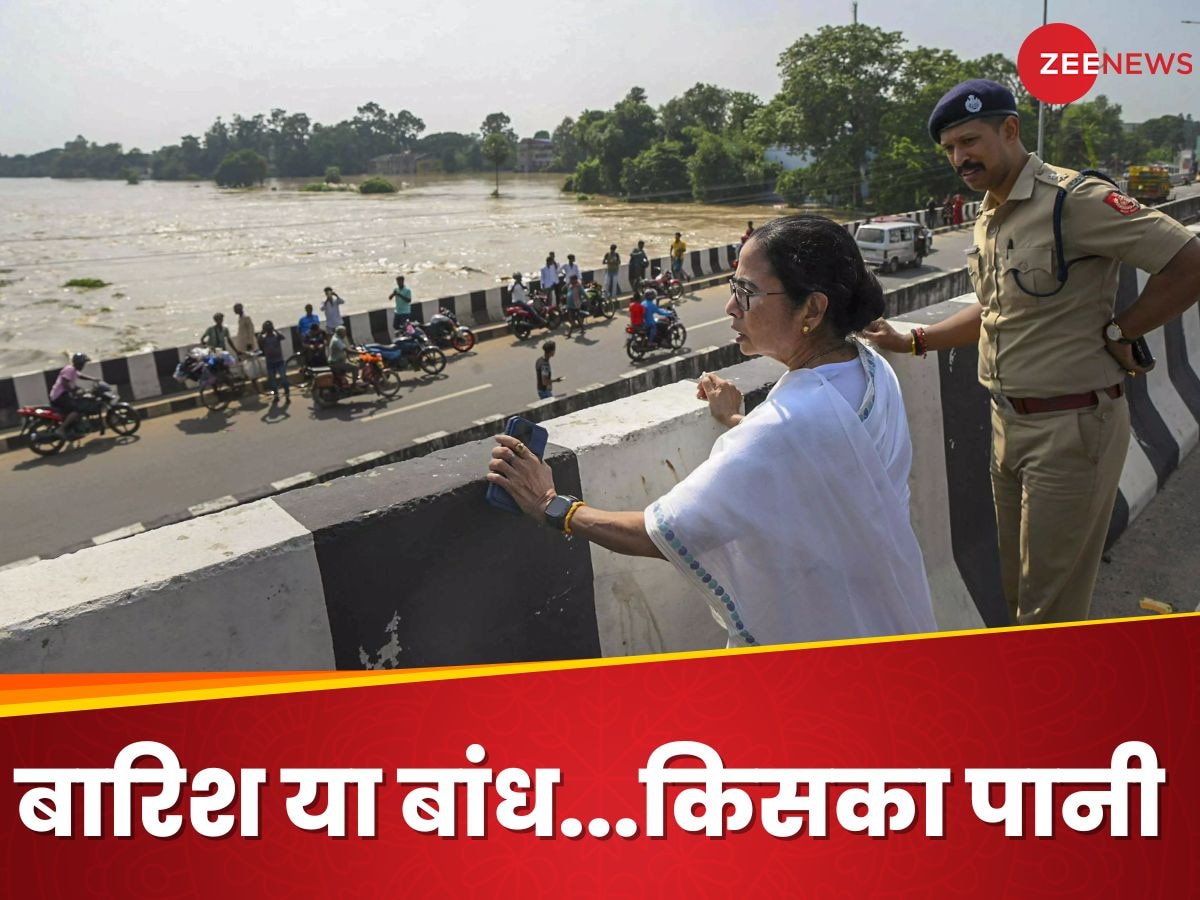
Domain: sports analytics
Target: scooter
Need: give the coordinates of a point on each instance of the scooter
(670, 335)
(40, 424)
(443, 329)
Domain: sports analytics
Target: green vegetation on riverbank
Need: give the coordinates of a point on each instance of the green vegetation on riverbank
(852, 105)
(86, 283)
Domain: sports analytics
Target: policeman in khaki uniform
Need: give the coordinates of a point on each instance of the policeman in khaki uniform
(1050, 352)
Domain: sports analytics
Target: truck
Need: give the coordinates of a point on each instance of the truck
(1149, 184)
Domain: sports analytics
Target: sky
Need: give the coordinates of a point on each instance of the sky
(144, 74)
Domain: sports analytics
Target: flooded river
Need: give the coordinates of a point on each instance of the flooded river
(174, 253)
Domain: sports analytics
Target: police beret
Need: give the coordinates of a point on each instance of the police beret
(972, 99)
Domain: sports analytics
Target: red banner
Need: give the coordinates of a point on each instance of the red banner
(1047, 762)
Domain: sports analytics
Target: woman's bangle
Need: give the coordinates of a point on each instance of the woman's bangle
(920, 347)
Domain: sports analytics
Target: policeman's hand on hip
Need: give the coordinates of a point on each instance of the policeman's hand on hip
(1123, 353)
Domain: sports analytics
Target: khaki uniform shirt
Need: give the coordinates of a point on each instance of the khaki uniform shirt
(1049, 346)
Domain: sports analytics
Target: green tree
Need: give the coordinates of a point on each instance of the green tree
(242, 168)
(566, 146)
(1088, 134)
(496, 150)
(727, 168)
(840, 83)
(658, 173)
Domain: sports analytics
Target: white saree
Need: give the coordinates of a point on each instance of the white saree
(796, 528)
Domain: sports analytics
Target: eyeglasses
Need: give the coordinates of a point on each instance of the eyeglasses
(742, 296)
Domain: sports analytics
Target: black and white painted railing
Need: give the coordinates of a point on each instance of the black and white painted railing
(149, 376)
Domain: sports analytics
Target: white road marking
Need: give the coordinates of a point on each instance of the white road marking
(294, 481)
(127, 531)
(213, 505)
(392, 412)
(430, 437)
(726, 319)
(366, 457)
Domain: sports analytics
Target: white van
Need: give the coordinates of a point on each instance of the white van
(890, 244)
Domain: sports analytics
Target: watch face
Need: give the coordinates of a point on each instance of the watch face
(1113, 331)
(558, 508)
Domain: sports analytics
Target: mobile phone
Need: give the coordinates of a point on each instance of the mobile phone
(532, 436)
(1141, 353)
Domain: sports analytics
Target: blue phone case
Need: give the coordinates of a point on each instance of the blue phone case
(532, 436)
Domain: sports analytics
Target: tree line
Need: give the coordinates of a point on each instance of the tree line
(853, 103)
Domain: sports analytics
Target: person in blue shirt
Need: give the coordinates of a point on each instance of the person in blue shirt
(308, 320)
(653, 311)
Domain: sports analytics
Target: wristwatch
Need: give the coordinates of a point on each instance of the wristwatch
(557, 509)
(1113, 332)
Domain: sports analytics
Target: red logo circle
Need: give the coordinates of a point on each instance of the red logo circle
(1058, 63)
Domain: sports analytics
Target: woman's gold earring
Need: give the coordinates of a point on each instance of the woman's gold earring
(806, 329)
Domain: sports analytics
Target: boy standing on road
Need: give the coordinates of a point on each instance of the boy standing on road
(545, 381)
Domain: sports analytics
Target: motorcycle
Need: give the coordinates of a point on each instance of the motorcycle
(413, 351)
(40, 424)
(443, 329)
(596, 303)
(670, 335)
(664, 283)
(521, 321)
(329, 386)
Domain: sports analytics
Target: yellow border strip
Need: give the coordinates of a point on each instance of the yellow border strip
(306, 683)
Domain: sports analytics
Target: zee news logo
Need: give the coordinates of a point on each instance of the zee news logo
(1058, 63)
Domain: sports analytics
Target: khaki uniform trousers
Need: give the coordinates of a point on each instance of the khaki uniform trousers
(1054, 482)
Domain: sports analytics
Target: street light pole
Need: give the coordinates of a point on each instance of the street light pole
(1041, 143)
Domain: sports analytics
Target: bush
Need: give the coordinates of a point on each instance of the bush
(659, 173)
(86, 283)
(377, 186)
(333, 175)
(241, 169)
(589, 177)
(569, 184)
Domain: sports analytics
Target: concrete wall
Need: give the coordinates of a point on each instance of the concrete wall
(404, 564)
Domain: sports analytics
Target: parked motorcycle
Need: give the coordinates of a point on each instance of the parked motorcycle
(522, 322)
(664, 283)
(413, 351)
(670, 335)
(445, 331)
(40, 424)
(329, 386)
(596, 303)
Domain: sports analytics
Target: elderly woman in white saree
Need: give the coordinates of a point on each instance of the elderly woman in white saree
(796, 528)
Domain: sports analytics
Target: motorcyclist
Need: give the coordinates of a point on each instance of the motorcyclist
(64, 395)
(652, 311)
(313, 346)
(339, 356)
(521, 299)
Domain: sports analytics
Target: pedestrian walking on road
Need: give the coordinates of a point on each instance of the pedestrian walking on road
(402, 297)
(545, 379)
(638, 264)
(549, 280)
(678, 249)
(271, 344)
(931, 213)
(244, 340)
(612, 271)
(1051, 354)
